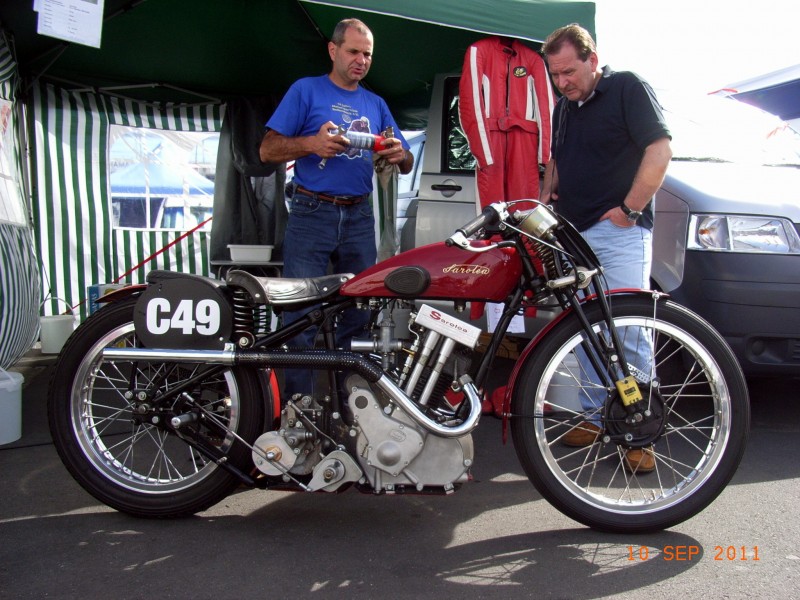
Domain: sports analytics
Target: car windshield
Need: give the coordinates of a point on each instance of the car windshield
(717, 129)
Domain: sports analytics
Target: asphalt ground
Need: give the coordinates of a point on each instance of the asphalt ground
(494, 538)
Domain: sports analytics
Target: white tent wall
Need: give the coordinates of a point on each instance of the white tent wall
(72, 209)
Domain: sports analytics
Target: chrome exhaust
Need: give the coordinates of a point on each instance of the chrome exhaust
(223, 357)
(312, 359)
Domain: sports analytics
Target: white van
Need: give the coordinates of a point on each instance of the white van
(726, 237)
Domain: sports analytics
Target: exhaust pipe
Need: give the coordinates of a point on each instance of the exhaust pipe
(309, 359)
(320, 359)
(222, 357)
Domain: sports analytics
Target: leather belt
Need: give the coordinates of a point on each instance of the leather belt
(338, 200)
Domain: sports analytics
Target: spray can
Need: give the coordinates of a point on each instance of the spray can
(362, 140)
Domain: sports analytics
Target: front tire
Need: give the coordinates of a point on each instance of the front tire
(106, 435)
(701, 394)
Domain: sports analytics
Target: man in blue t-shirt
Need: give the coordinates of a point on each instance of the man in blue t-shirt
(330, 213)
(610, 152)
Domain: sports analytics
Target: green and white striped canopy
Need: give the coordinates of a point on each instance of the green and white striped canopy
(225, 48)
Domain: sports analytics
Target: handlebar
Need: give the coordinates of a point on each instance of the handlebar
(489, 216)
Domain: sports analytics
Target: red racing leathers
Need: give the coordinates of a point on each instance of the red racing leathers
(505, 104)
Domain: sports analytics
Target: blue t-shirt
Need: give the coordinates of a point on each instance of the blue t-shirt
(312, 101)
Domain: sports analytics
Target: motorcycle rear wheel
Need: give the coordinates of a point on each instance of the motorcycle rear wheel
(706, 415)
(120, 456)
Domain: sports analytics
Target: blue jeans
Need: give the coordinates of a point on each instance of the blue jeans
(626, 255)
(319, 233)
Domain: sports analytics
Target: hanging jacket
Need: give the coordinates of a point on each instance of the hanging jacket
(504, 87)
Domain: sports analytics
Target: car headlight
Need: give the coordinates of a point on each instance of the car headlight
(734, 233)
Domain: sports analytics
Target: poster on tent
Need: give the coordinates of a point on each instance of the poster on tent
(79, 21)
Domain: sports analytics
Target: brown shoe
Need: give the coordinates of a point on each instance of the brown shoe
(583, 434)
(640, 460)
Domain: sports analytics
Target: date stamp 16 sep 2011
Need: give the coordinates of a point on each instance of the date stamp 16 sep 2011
(728, 553)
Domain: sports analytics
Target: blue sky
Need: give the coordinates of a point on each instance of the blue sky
(697, 45)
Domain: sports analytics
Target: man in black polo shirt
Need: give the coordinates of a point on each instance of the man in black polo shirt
(610, 152)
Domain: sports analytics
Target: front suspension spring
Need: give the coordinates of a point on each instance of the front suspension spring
(548, 257)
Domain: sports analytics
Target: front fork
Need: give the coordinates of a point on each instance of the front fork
(632, 418)
(633, 408)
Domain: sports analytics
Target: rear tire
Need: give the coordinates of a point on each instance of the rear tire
(706, 419)
(121, 457)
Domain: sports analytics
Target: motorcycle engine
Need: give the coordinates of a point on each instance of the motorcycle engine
(386, 449)
(395, 452)
(397, 455)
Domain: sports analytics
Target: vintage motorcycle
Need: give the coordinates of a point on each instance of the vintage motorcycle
(166, 400)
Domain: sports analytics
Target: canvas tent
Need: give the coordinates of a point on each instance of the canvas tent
(258, 47)
(185, 65)
(19, 275)
(777, 92)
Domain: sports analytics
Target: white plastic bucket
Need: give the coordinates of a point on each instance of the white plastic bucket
(10, 406)
(55, 329)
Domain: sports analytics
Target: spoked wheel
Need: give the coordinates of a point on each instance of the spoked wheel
(698, 428)
(107, 422)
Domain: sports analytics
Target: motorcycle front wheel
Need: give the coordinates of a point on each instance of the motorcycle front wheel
(109, 432)
(694, 385)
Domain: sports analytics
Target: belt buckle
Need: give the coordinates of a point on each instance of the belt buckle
(345, 200)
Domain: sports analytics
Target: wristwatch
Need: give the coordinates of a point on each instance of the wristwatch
(633, 215)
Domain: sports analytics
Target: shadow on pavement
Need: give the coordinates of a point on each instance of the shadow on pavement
(493, 538)
(281, 544)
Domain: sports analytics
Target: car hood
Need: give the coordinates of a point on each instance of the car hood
(736, 188)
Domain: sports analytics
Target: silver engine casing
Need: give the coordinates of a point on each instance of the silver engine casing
(394, 453)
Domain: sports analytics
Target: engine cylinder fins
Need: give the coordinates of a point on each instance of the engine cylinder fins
(459, 362)
(408, 281)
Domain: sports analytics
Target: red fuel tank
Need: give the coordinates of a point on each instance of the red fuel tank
(440, 272)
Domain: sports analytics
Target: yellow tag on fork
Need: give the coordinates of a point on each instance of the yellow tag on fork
(629, 390)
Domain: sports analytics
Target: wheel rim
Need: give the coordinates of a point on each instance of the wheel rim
(687, 454)
(133, 454)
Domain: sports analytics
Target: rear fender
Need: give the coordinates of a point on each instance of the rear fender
(122, 293)
(270, 387)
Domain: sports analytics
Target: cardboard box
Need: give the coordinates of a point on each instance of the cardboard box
(97, 291)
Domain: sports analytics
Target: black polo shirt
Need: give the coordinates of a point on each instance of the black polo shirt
(599, 145)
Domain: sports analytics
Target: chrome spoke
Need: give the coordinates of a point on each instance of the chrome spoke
(689, 394)
(121, 442)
